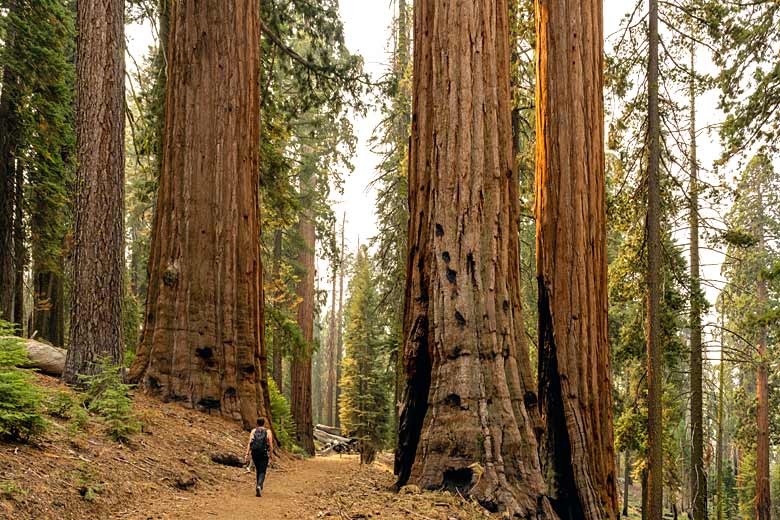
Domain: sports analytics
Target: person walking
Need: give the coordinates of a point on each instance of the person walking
(260, 446)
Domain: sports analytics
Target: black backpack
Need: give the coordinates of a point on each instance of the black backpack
(259, 442)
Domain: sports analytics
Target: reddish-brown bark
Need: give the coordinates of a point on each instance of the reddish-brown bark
(300, 365)
(467, 388)
(571, 260)
(203, 339)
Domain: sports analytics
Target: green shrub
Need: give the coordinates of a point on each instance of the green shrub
(79, 419)
(282, 419)
(60, 404)
(21, 401)
(107, 396)
(70, 407)
(87, 483)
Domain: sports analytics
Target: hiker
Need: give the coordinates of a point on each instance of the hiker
(260, 445)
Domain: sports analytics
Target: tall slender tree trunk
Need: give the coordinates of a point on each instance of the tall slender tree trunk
(98, 257)
(20, 252)
(462, 360)
(698, 474)
(331, 352)
(49, 311)
(626, 480)
(719, 440)
(575, 392)
(8, 137)
(655, 462)
(340, 323)
(203, 337)
(300, 365)
(276, 346)
(763, 493)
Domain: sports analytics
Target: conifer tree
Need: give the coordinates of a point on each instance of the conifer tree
(364, 397)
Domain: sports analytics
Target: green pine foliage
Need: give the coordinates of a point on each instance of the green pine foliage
(282, 419)
(42, 54)
(364, 381)
(21, 402)
(107, 396)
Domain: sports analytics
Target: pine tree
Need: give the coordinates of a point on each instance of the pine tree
(753, 220)
(98, 256)
(364, 398)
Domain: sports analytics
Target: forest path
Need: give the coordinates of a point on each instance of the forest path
(333, 487)
(298, 489)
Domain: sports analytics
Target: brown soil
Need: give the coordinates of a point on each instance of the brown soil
(166, 473)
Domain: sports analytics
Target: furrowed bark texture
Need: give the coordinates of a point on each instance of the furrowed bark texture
(203, 340)
(575, 392)
(655, 432)
(300, 365)
(98, 255)
(464, 401)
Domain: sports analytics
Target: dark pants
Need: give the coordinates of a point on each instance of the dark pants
(261, 466)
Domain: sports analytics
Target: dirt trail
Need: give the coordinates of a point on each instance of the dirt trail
(293, 491)
(323, 487)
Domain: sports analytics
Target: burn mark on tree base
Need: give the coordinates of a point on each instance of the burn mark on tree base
(556, 455)
(458, 480)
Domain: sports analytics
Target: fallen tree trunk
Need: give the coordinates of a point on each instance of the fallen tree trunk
(47, 359)
(333, 430)
(332, 442)
(329, 438)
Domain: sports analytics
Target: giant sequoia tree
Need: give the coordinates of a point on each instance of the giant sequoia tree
(468, 399)
(203, 338)
(96, 310)
(571, 260)
(300, 365)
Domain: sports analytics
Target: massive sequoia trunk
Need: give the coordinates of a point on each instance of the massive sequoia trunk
(653, 505)
(98, 256)
(202, 340)
(464, 422)
(300, 365)
(571, 261)
(698, 480)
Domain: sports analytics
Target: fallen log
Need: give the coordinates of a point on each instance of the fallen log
(333, 430)
(329, 438)
(47, 359)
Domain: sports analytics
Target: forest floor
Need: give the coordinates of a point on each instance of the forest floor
(166, 472)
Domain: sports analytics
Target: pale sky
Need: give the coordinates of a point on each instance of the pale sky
(367, 29)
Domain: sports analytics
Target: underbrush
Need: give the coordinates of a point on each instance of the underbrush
(21, 401)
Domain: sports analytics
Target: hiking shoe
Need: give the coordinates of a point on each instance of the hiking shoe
(258, 492)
